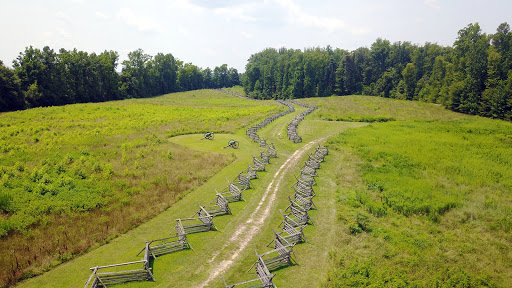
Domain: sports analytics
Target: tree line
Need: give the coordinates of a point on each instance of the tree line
(47, 78)
(474, 76)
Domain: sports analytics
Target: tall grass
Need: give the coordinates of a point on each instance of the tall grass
(376, 109)
(76, 176)
(432, 206)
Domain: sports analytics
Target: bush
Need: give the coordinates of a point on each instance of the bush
(5, 202)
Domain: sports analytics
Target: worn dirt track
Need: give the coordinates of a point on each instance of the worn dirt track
(246, 232)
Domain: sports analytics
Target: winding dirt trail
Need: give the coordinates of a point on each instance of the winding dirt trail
(244, 234)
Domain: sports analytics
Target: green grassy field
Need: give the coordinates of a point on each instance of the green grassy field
(419, 198)
(425, 201)
(189, 268)
(378, 109)
(76, 176)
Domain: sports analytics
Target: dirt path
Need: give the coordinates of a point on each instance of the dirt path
(244, 234)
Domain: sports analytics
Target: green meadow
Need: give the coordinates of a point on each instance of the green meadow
(76, 176)
(425, 201)
(410, 195)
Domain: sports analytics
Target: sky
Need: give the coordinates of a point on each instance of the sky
(212, 33)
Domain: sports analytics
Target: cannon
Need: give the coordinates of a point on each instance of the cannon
(232, 144)
(208, 136)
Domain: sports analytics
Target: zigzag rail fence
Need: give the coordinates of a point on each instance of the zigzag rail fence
(292, 127)
(201, 221)
(295, 219)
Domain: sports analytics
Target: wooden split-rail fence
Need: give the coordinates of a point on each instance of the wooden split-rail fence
(295, 218)
(120, 273)
(201, 221)
(235, 94)
(233, 192)
(252, 131)
(220, 207)
(292, 126)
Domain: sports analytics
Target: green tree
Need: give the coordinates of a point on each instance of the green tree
(136, 67)
(163, 72)
(233, 77)
(471, 50)
(11, 96)
(409, 75)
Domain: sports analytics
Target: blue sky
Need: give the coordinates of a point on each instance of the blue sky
(211, 33)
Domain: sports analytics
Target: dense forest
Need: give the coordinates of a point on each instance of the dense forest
(474, 76)
(46, 78)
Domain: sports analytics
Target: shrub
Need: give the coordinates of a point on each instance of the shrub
(5, 202)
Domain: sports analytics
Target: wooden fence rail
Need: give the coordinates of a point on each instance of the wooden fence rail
(233, 193)
(220, 207)
(272, 150)
(167, 245)
(274, 259)
(291, 129)
(102, 279)
(197, 225)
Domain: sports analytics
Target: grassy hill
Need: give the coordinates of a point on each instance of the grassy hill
(410, 195)
(425, 201)
(77, 176)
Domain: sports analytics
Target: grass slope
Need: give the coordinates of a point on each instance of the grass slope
(422, 201)
(189, 268)
(76, 176)
(425, 201)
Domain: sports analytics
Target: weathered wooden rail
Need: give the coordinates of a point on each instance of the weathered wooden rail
(312, 163)
(298, 215)
(307, 170)
(258, 164)
(322, 151)
(272, 150)
(303, 189)
(274, 259)
(305, 203)
(220, 207)
(117, 273)
(167, 245)
(252, 131)
(243, 180)
(233, 193)
(289, 235)
(265, 157)
(202, 223)
(291, 129)
(235, 94)
(306, 179)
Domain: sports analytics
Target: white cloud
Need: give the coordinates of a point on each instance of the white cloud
(210, 51)
(236, 12)
(185, 5)
(246, 35)
(141, 22)
(360, 30)
(62, 16)
(433, 4)
(63, 32)
(183, 30)
(298, 16)
(101, 15)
